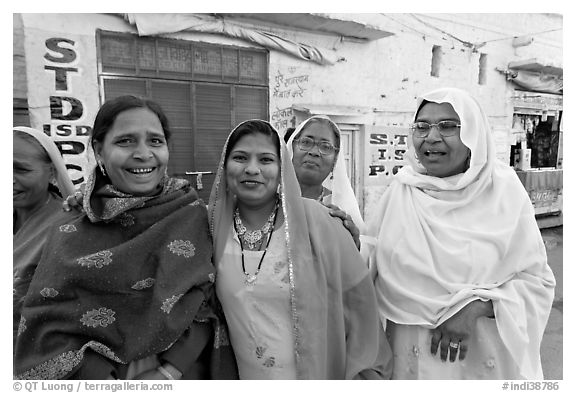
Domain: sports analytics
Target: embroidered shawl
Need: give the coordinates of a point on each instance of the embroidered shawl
(445, 242)
(335, 325)
(126, 287)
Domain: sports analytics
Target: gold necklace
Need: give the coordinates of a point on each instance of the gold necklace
(249, 279)
(252, 238)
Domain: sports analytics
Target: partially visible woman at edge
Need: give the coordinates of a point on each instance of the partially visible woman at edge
(298, 299)
(462, 273)
(321, 171)
(39, 183)
(125, 291)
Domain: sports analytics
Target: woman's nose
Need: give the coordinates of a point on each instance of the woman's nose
(252, 167)
(315, 150)
(434, 134)
(142, 152)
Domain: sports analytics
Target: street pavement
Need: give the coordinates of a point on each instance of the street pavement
(551, 349)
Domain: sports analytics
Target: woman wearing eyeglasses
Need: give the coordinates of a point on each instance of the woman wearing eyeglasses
(462, 277)
(321, 172)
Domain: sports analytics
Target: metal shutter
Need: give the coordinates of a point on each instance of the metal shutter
(213, 108)
(250, 103)
(118, 87)
(175, 100)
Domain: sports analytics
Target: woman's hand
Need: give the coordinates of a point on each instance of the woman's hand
(74, 201)
(452, 336)
(335, 211)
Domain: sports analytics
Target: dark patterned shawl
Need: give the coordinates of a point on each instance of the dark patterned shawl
(125, 281)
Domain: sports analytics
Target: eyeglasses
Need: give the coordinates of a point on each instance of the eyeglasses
(306, 144)
(446, 128)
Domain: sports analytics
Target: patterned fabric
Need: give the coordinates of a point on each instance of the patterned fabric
(259, 312)
(121, 292)
(332, 304)
(28, 244)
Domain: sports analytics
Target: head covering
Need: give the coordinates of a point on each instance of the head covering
(65, 185)
(325, 271)
(342, 192)
(445, 242)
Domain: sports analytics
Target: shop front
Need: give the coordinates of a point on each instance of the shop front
(537, 132)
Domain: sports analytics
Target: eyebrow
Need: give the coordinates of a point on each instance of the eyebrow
(261, 153)
(321, 139)
(133, 134)
(427, 120)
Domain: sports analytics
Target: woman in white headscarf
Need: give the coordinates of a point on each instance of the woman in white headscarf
(298, 299)
(40, 180)
(321, 171)
(461, 266)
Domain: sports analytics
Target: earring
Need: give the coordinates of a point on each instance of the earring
(332, 175)
(101, 166)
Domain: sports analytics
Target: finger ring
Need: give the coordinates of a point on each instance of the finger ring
(454, 345)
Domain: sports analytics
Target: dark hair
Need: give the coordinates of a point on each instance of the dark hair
(327, 122)
(424, 102)
(110, 110)
(288, 134)
(252, 127)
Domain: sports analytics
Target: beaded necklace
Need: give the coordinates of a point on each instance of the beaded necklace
(252, 238)
(242, 232)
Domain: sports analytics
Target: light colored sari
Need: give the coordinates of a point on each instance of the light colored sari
(445, 242)
(335, 326)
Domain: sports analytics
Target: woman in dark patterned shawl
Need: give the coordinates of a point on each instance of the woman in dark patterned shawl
(126, 290)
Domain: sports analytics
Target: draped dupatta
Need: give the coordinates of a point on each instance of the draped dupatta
(445, 242)
(124, 281)
(336, 335)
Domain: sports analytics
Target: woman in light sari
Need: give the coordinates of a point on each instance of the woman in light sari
(461, 266)
(297, 296)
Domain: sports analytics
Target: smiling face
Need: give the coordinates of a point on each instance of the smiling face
(312, 167)
(253, 170)
(31, 175)
(441, 156)
(134, 152)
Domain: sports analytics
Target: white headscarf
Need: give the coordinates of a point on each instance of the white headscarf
(65, 185)
(445, 242)
(342, 192)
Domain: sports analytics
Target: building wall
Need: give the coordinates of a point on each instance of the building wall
(375, 86)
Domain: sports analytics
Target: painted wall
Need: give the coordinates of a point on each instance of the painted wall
(382, 78)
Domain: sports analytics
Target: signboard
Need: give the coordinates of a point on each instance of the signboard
(386, 148)
(63, 93)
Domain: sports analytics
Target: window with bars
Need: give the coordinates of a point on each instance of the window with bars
(205, 90)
